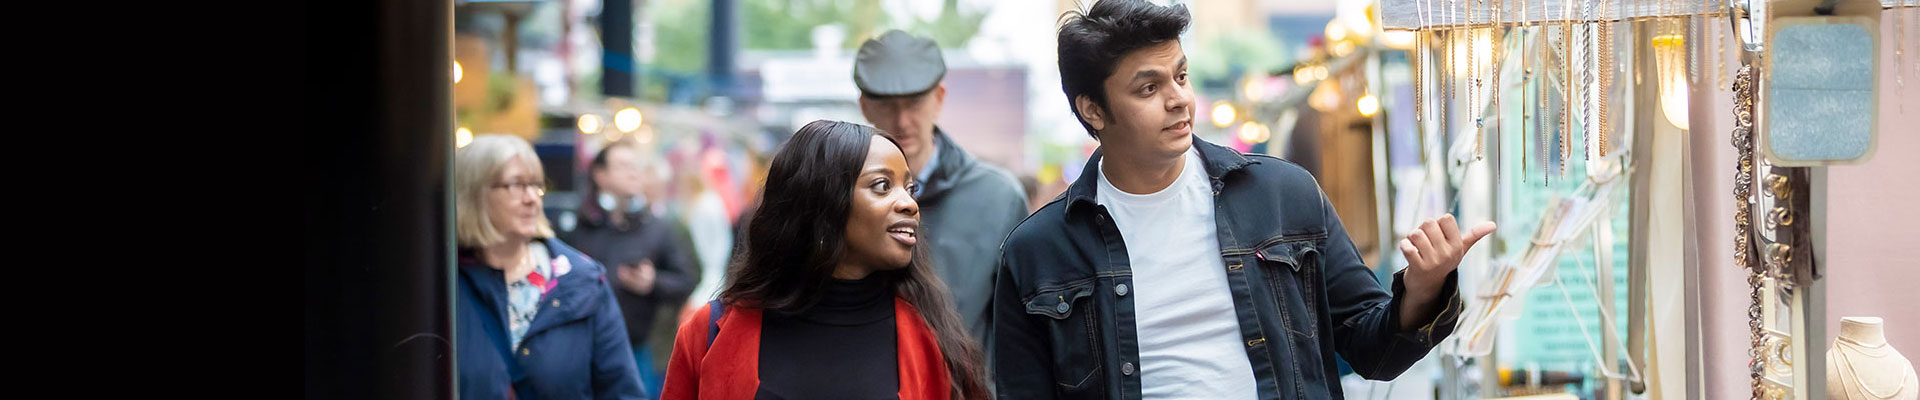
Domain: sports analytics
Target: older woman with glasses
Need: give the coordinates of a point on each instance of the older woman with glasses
(535, 318)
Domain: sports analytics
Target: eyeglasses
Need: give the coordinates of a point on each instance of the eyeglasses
(537, 188)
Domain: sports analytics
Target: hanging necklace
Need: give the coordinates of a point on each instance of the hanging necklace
(1496, 43)
(1526, 85)
(1474, 108)
(1607, 72)
(1543, 50)
(1474, 89)
(1898, 387)
(1863, 346)
(1899, 48)
(1420, 65)
(1447, 82)
(1693, 53)
(1589, 84)
(1566, 104)
(1725, 43)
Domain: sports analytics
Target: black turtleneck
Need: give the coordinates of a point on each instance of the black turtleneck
(842, 348)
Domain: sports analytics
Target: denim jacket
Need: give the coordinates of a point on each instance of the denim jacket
(1063, 320)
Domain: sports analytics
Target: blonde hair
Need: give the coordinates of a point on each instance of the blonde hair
(475, 168)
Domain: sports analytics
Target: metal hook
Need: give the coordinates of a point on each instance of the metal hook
(1748, 18)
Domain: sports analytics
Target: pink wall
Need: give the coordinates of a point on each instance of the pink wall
(1873, 212)
(1873, 225)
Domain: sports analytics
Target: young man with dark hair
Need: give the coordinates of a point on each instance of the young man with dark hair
(966, 206)
(1176, 268)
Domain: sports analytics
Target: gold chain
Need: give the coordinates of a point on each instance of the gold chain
(1419, 65)
(1566, 61)
(1607, 71)
(1721, 53)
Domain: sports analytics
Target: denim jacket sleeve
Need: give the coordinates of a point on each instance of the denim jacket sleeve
(1367, 317)
(1016, 349)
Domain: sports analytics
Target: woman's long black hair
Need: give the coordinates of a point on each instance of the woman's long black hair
(798, 235)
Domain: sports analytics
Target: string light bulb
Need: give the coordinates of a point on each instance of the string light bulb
(461, 137)
(1223, 114)
(627, 120)
(1368, 105)
(590, 124)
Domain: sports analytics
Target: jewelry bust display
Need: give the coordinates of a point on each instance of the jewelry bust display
(1862, 365)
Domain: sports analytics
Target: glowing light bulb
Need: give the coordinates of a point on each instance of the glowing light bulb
(627, 120)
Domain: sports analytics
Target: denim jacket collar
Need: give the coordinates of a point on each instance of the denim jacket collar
(1219, 161)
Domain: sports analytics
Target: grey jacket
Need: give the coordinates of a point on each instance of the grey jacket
(967, 207)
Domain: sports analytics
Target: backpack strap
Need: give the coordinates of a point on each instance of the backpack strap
(715, 309)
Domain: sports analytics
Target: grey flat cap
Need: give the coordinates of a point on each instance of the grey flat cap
(897, 63)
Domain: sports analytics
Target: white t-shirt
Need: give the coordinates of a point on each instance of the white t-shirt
(1190, 342)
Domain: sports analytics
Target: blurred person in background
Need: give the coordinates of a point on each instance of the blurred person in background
(651, 270)
(668, 317)
(834, 297)
(1031, 185)
(708, 224)
(755, 185)
(968, 206)
(536, 318)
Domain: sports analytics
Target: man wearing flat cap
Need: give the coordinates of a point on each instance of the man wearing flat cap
(966, 206)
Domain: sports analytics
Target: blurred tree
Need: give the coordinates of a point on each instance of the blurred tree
(681, 26)
(680, 35)
(1220, 59)
(788, 24)
(681, 29)
(953, 28)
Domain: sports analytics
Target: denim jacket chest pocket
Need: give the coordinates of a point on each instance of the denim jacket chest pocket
(1071, 324)
(1292, 271)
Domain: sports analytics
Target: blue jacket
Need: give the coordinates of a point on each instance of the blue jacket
(1063, 320)
(576, 348)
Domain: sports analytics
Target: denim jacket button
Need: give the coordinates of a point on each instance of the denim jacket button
(1120, 289)
(1062, 308)
(1126, 369)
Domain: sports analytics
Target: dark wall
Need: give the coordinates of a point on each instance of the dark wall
(377, 257)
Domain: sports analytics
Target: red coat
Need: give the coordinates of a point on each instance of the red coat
(730, 368)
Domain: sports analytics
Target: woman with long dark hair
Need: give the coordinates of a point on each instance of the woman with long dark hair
(833, 297)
